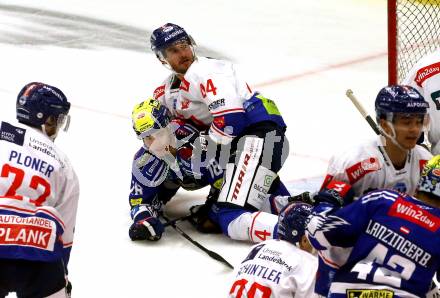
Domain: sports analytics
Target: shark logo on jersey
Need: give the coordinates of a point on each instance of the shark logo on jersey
(11, 133)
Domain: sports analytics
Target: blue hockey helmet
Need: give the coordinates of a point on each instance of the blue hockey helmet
(292, 221)
(149, 116)
(429, 181)
(399, 99)
(167, 35)
(36, 102)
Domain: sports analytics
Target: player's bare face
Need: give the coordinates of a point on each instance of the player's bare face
(160, 143)
(179, 56)
(408, 129)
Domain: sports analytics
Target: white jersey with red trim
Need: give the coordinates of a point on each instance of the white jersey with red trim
(34, 170)
(211, 95)
(275, 269)
(425, 77)
(368, 167)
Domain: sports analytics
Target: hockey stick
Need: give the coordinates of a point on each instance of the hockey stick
(361, 110)
(182, 218)
(210, 253)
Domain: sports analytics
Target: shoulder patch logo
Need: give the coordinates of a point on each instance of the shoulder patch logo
(413, 213)
(11, 133)
(360, 169)
(426, 72)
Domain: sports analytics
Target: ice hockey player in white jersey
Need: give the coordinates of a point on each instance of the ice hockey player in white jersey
(211, 94)
(424, 76)
(395, 160)
(386, 244)
(39, 193)
(280, 268)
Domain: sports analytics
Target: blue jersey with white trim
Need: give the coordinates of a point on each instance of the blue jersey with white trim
(384, 241)
(155, 181)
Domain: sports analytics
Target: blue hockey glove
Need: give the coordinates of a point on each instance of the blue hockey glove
(336, 193)
(146, 226)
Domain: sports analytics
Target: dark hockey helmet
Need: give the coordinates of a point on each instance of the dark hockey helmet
(399, 99)
(429, 181)
(167, 35)
(149, 116)
(38, 101)
(292, 221)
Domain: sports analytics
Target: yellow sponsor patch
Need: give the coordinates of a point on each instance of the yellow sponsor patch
(218, 183)
(370, 293)
(135, 202)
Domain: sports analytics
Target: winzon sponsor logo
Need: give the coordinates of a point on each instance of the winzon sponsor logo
(359, 170)
(216, 104)
(399, 242)
(370, 294)
(174, 34)
(240, 176)
(426, 72)
(415, 214)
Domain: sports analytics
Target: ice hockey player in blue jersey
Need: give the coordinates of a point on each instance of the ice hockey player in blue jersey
(386, 244)
(212, 94)
(168, 160)
(39, 194)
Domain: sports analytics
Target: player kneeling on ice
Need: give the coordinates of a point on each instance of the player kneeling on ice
(283, 267)
(386, 244)
(39, 194)
(163, 165)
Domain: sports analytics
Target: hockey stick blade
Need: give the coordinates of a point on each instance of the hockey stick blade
(210, 253)
(361, 110)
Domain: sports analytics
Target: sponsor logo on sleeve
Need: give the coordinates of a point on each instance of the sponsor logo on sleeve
(11, 133)
(360, 169)
(160, 91)
(413, 213)
(426, 72)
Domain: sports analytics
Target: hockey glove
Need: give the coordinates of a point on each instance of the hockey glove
(200, 214)
(146, 225)
(336, 193)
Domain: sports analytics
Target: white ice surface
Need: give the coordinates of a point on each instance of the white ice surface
(303, 54)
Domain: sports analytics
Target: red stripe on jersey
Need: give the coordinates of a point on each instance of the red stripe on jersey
(33, 212)
(359, 170)
(159, 91)
(413, 213)
(252, 226)
(327, 180)
(426, 72)
(422, 164)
